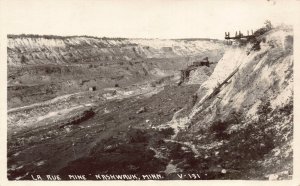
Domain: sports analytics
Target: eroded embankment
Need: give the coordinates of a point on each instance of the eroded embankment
(243, 119)
(34, 49)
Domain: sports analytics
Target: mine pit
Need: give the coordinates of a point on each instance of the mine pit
(152, 108)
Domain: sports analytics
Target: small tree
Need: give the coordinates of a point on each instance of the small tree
(268, 25)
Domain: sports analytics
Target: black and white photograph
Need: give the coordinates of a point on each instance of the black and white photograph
(148, 90)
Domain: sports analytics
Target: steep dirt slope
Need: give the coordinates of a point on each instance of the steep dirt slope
(242, 121)
(263, 74)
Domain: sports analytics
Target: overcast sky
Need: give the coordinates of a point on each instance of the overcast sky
(139, 19)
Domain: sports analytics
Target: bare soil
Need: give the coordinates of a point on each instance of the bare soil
(117, 139)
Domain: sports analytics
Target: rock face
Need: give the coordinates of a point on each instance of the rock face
(245, 108)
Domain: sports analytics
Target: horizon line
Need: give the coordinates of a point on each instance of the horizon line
(104, 37)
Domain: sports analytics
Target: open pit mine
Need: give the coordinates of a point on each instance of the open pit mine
(82, 107)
